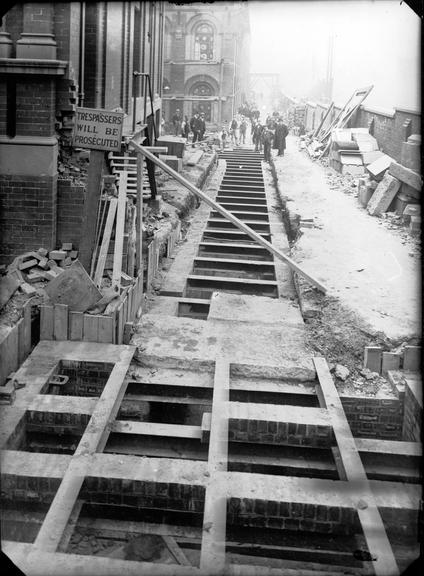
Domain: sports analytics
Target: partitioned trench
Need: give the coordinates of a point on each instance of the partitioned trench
(144, 495)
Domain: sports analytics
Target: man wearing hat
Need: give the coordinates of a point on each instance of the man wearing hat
(176, 121)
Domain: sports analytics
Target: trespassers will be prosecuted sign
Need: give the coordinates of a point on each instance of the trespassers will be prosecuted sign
(98, 129)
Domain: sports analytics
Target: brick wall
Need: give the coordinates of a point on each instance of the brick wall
(412, 419)
(374, 417)
(56, 422)
(85, 378)
(28, 488)
(35, 107)
(387, 128)
(70, 203)
(288, 434)
(292, 516)
(141, 494)
(27, 214)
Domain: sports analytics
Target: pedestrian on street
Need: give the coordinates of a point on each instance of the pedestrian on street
(281, 132)
(185, 128)
(202, 126)
(195, 128)
(176, 121)
(243, 128)
(233, 132)
(267, 137)
(224, 136)
(257, 136)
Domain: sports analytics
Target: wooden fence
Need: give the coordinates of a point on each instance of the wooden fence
(57, 322)
(16, 344)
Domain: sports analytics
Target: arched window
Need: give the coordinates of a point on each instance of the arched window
(203, 42)
(202, 89)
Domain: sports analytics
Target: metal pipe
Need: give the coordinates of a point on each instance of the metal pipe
(81, 55)
(241, 225)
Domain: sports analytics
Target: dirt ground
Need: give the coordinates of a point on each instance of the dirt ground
(370, 266)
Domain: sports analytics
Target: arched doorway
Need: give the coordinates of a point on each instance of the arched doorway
(202, 90)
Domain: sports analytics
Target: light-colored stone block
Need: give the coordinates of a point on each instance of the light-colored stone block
(383, 195)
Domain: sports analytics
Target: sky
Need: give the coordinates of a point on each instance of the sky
(376, 42)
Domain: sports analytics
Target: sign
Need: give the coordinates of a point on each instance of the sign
(98, 129)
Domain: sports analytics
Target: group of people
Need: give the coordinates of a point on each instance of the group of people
(183, 126)
(272, 134)
(265, 136)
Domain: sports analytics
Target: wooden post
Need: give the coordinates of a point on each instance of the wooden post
(119, 231)
(139, 215)
(91, 205)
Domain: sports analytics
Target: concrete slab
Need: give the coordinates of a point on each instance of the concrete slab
(254, 309)
(277, 348)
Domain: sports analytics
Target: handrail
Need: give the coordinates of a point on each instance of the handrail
(216, 206)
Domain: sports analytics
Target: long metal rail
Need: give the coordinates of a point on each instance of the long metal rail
(241, 225)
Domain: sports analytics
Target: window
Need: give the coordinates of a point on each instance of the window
(202, 89)
(203, 42)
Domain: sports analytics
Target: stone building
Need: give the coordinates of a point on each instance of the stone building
(206, 59)
(54, 57)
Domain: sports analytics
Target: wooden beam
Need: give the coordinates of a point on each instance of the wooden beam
(139, 215)
(92, 441)
(373, 528)
(212, 554)
(91, 204)
(98, 275)
(119, 230)
(257, 237)
(176, 551)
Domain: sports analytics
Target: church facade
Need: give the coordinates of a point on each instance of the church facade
(206, 59)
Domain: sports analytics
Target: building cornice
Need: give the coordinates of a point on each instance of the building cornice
(33, 66)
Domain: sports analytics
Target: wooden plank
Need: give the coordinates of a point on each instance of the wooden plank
(384, 562)
(90, 328)
(257, 237)
(27, 328)
(157, 429)
(139, 215)
(90, 208)
(99, 226)
(212, 553)
(176, 551)
(130, 297)
(119, 230)
(106, 329)
(76, 320)
(20, 327)
(126, 337)
(92, 441)
(131, 243)
(46, 322)
(119, 324)
(98, 275)
(60, 322)
(9, 354)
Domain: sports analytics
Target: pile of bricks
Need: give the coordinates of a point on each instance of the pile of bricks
(41, 266)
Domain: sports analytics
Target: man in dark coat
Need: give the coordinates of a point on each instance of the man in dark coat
(176, 121)
(202, 126)
(195, 126)
(266, 137)
(281, 132)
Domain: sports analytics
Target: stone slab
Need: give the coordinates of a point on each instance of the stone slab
(411, 156)
(383, 195)
(378, 167)
(74, 288)
(8, 286)
(258, 309)
(406, 175)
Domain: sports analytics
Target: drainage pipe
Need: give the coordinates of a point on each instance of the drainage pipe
(81, 87)
(238, 223)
